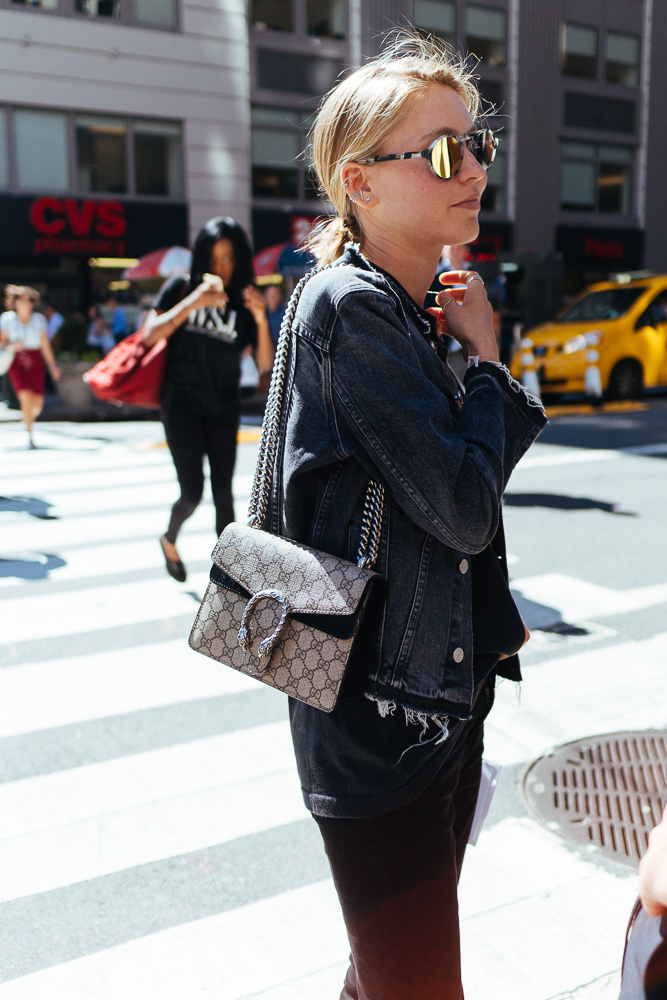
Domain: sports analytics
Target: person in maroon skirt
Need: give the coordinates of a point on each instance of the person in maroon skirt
(25, 330)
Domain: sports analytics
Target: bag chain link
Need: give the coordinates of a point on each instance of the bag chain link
(371, 522)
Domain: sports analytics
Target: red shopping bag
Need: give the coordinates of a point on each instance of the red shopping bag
(131, 372)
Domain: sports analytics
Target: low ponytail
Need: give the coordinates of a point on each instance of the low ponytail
(327, 240)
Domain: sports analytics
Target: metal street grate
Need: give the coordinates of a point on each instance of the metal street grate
(604, 791)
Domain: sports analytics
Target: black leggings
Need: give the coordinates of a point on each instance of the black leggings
(190, 437)
(396, 877)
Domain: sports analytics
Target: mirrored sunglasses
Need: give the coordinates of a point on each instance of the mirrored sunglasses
(445, 154)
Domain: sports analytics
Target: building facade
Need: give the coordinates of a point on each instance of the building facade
(576, 87)
(125, 124)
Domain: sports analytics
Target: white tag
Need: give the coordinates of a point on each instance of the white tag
(487, 787)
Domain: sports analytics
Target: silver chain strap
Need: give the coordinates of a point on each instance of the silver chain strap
(371, 522)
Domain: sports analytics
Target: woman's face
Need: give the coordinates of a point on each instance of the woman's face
(223, 260)
(414, 207)
(23, 306)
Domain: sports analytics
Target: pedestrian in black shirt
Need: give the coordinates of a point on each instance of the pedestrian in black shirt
(209, 325)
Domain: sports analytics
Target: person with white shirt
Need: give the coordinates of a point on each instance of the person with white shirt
(26, 331)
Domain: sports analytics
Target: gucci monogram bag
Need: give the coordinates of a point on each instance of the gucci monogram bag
(279, 611)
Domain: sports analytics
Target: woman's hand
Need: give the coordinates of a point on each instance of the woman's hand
(55, 372)
(653, 871)
(255, 302)
(206, 296)
(467, 315)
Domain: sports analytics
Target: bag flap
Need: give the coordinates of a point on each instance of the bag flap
(313, 582)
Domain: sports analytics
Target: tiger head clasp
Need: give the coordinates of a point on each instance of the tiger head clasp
(266, 646)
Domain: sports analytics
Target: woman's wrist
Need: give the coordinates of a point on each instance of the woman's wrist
(474, 360)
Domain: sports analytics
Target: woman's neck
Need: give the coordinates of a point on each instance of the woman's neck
(413, 269)
(23, 315)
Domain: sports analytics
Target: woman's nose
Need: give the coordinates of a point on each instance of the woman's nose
(471, 169)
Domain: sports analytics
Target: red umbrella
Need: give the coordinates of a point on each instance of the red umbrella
(282, 259)
(160, 264)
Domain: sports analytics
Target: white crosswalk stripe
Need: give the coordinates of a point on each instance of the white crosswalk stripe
(153, 838)
(80, 519)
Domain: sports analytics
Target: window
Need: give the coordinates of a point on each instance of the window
(38, 158)
(41, 150)
(579, 50)
(158, 164)
(327, 18)
(98, 8)
(436, 16)
(301, 74)
(487, 34)
(596, 306)
(101, 154)
(4, 157)
(623, 59)
(272, 15)
(494, 197)
(608, 114)
(150, 13)
(279, 170)
(596, 178)
(492, 93)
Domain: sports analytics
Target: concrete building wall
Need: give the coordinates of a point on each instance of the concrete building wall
(199, 75)
(656, 172)
(539, 100)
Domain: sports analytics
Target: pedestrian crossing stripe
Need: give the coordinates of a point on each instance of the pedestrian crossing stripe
(153, 840)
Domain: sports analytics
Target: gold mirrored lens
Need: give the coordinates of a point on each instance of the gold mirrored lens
(489, 147)
(446, 157)
(447, 152)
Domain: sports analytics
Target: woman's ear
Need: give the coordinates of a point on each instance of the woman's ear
(356, 186)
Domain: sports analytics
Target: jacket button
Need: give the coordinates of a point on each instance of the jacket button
(463, 565)
(458, 654)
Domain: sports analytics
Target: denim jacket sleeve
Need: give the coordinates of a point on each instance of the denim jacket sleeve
(447, 471)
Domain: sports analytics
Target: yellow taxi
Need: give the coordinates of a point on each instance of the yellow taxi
(624, 322)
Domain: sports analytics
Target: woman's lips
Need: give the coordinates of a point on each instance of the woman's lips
(472, 204)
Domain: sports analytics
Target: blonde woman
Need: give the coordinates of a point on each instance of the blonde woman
(392, 774)
(24, 330)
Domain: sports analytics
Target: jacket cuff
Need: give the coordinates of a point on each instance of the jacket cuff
(519, 395)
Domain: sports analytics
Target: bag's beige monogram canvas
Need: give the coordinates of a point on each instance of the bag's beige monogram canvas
(306, 663)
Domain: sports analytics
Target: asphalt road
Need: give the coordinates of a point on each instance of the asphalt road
(152, 838)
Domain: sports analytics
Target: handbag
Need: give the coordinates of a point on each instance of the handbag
(285, 613)
(6, 358)
(131, 372)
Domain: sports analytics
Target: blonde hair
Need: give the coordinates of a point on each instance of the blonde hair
(360, 113)
(14, 292)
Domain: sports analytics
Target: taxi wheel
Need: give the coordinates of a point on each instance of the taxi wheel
(626, 380)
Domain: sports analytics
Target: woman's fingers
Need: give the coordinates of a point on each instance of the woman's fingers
(457, 294)
(459, 277)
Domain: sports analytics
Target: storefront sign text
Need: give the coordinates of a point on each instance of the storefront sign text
(67, 226)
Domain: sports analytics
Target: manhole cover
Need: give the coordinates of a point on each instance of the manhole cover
(603, 791)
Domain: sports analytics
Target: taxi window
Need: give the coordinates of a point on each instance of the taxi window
(609, 303)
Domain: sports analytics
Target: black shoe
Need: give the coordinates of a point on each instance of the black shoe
(175, 567)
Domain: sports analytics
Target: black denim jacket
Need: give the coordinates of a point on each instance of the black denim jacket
(367, 396)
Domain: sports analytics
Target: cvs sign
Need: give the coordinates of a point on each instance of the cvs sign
(65, 225)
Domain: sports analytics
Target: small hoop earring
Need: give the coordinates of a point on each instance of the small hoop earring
(353, 198)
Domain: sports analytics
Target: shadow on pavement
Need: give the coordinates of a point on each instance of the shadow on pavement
(30, 569)
(543, 618)
(28, 505)
(562, 502)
